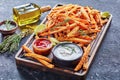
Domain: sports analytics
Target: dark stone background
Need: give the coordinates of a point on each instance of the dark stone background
(106, 65)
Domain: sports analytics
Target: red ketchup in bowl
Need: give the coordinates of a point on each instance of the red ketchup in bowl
(42, 46)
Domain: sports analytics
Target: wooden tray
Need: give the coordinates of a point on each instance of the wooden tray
(20, 60)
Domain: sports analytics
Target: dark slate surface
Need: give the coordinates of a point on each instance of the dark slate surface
(106, 65)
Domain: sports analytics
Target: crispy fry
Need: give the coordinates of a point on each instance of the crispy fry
(82, 25)
(38, 56)
(85, 37)
(83, 41)
(36, 37)
(55, 35)
(84, 13)
(27, 49)
(92, 19)
(59, 30)
(72, 33)
(53, 32)
(30, 53)
(83, 59)
(81, 45)
(45, 61)
(85, 65)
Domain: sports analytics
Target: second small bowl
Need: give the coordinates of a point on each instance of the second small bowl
(66, 54)
(8, 27)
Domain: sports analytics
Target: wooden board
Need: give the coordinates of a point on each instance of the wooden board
(20, 60)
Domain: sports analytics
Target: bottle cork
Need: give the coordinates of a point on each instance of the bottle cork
(45, 9)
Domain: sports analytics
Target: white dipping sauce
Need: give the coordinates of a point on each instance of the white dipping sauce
(68, 52)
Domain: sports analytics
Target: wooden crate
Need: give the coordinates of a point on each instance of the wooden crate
(22, 61)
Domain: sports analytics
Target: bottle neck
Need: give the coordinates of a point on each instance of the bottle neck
(45, 9)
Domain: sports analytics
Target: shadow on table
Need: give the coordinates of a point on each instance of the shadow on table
(33, 74)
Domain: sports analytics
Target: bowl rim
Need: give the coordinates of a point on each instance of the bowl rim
(52, 51)
(12, 22)
(34, 46)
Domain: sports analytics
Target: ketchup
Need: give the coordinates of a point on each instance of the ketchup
(42, 43)
(42, 46)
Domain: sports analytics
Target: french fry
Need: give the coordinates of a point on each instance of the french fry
(31, 53)
(26, 49)
(36, 37)
(42, 59)
(84, 13)
(85, 37)
(70, 34)
(55, 35)
(82, 25)
(85, 65)
(81, 45)
(92, 19)
(94, 30)
(45, 63)
(53, 32)
(38, 56)
(83, 41)
(83, 59)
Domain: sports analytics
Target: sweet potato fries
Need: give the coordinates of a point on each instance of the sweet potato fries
(76, 24)
(73, 23)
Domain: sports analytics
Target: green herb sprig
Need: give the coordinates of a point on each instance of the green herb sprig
(69, 48)
(7, 23)
(11, 43)
(61, 23)
(82, 32)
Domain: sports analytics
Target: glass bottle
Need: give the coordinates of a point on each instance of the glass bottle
(28, 13)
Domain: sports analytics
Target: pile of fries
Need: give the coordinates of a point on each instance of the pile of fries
(74, 23)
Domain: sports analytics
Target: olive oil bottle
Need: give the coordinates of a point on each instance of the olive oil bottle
(28, 13)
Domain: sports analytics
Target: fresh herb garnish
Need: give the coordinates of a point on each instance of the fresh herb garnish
(69, 48)
(7, 23)
(66, 20)
(54, 41)
(82, 32)
(61, 23)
